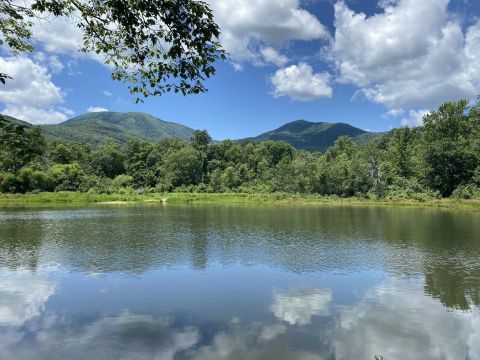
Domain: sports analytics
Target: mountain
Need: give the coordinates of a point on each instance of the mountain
(9, 119)
(313, 136)
(96, 128)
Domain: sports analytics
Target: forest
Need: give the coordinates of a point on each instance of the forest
(437, 160)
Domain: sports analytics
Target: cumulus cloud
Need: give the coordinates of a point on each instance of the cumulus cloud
(52, 61)
(414, 118)
(394, 113)
(411, 55)
(299, 82)
(31, 95)
(246, 24)
(272, 56)
(297, 307)
(58, 34)
(35, 115)
(96, 109)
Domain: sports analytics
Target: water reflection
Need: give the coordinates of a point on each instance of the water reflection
(298, 306)
(392, 318)
(239, 283)
(403, 324)
(23, 296)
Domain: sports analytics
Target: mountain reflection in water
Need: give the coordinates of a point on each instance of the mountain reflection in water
(239, 282)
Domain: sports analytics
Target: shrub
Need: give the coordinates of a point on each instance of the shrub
(404, 189)
(66, 177)
(122, 181)
(466, 192)
(8, 183)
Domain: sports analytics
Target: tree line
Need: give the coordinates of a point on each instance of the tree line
(439, 159)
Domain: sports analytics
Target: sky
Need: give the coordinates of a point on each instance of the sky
(374, 64)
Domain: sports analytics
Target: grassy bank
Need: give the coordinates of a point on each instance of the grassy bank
(278, 198)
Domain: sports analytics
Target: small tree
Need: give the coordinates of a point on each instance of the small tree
(200, 140)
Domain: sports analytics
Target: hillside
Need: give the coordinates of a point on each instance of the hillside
(313, 136)
(9, 119)
(96, 128)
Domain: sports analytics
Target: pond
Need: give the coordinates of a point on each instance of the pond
(239, 282)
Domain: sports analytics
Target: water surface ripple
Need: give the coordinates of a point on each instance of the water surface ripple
(239, 282)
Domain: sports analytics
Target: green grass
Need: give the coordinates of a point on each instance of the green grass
(277, 198)
(70, 197)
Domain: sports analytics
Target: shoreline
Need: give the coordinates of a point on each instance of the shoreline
(71, 198)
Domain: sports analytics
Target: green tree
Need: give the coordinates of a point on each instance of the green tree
(200, 140)
(67, 152)
(68, 177)
(183, 167)
(19, 145)
(108, 160)
(143, 161)
(400, 152)
(154, 46)
(375, 173)
(341, 170)
(451, 145)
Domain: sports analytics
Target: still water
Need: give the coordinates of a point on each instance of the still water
(239, 282)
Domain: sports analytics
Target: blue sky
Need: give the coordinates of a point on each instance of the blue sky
(373, 64)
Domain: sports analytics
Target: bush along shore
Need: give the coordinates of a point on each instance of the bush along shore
(125, 198)
(439, 160)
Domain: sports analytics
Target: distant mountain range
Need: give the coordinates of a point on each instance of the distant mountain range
(96, 128)
(314, 136)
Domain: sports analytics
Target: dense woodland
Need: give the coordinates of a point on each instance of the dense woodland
(439, 159)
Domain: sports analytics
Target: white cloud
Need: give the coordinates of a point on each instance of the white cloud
(414, 118)
(96, 109)
(31, 95)
(58, 35)
(472, 50)
(107, 93)
(297, 307)
(394, 113)
(35, 115)
(124, 336)
(240, 341)
(411, 55)
(22, 296)
(247, 23)
(270, 332)
(388, 322)
(52, 61)
(270, 55)
(300, 83)
(31, 84)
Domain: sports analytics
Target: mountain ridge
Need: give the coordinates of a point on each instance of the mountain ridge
(314, 136)
(96, 128)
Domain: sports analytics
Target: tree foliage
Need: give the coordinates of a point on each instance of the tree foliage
(154, 46)
(442, 158)
(19, 144)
